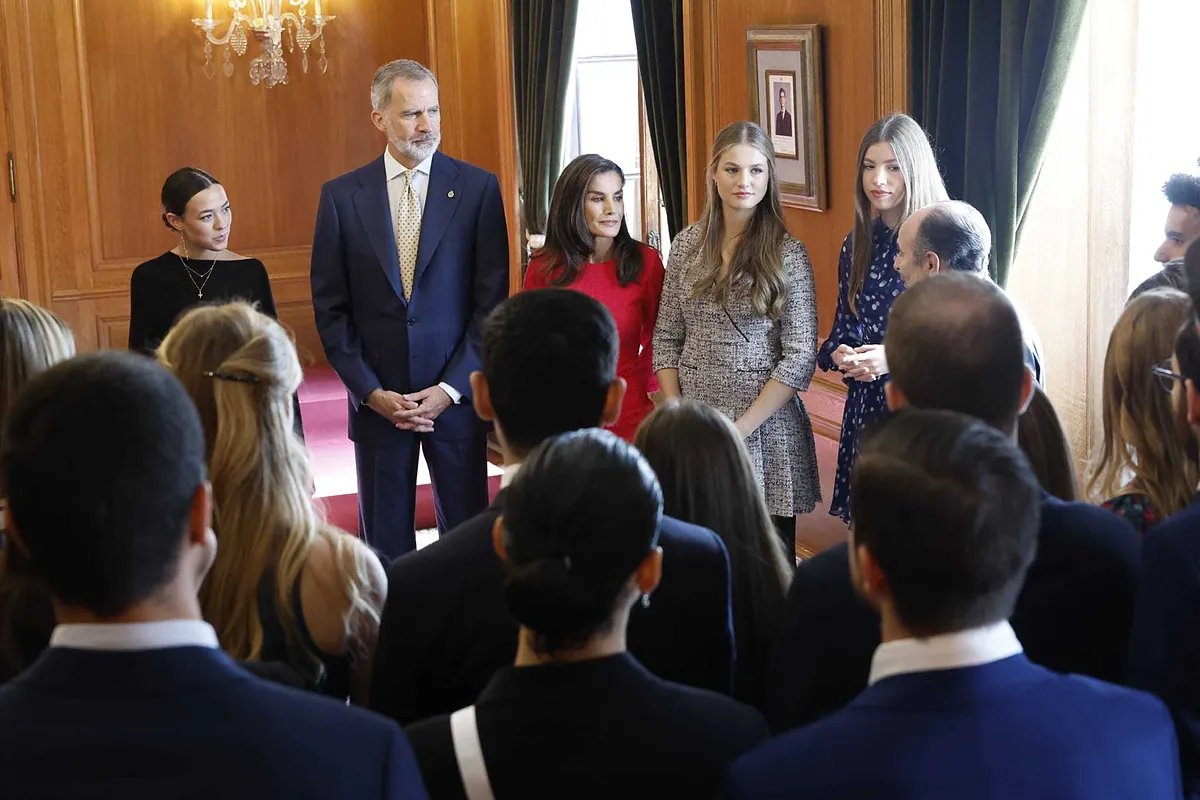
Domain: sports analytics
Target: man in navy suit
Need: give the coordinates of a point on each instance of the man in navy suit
(1164, 645)
(945, 527)
(134, 698)
(409, 255)
(549, 367)
(954, 342)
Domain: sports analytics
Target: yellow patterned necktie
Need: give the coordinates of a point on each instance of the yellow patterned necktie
(408, 233)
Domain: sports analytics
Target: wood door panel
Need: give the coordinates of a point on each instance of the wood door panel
(109, 96)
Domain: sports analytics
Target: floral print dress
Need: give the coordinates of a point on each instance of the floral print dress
(865, 402)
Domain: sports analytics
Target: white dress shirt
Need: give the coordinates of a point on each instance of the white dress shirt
(136, 635)
(395, 185)
(970, 648)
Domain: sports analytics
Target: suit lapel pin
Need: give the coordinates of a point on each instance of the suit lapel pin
(450, 193)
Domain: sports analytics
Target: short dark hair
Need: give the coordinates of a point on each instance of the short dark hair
(582, 514)
(949, 509)
(1183, 189)
(102, 457)
(549, 356)
(180, 187)
(954, 342)
(958, 233)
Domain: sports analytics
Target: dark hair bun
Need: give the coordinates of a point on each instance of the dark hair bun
(580, 517)
(560, 606)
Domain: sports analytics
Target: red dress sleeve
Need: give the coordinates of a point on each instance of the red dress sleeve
(535, 273)
(652, 274)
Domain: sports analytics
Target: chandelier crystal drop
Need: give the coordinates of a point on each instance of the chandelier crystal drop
(271, 25)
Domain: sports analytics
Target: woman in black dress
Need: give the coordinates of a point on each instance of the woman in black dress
(200, 269)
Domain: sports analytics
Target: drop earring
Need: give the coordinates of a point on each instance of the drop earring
(645, 601)
(183, 244)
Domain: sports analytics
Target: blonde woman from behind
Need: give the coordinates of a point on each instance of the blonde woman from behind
(286, 586)
(32, 340)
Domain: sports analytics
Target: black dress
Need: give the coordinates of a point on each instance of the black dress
(162, 289)
(592, 729)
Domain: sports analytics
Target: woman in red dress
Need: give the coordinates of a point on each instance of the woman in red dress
(588, 248)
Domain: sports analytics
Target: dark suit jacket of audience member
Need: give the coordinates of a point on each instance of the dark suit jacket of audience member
(187, 722)
(596, 729)
(446, 627)
(1073, 614)
(1000, 731)
(1164, 646)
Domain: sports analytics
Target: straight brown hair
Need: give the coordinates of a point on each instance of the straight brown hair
(569, 243)
(923, 186)
(757, 259)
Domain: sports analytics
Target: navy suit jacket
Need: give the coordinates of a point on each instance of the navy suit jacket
(187, 722)
(1164, 645)
(372, 337)
(1073, 614)
(446, 627)
(1005, 730)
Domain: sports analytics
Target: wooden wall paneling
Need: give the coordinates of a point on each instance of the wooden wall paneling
(107, 109)
(10, 278)
(471, 52)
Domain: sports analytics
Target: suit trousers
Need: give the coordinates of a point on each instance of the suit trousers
(387, 487)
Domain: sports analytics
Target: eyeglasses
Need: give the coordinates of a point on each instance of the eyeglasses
(1166, 376)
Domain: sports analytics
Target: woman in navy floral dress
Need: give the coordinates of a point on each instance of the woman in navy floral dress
(898, 175)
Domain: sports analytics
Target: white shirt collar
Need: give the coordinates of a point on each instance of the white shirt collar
(136, 635)
(969, 648)
(392, 167)
(510, 473)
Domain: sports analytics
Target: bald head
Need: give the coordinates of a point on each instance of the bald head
(950, 236)
(954, 343)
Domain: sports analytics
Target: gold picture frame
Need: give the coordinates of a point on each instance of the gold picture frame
(787, 99)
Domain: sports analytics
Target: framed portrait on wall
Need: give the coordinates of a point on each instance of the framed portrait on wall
(787, 100)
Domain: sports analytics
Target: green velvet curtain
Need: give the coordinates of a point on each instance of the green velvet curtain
(543, 44)
(658, 28)
(987, 78)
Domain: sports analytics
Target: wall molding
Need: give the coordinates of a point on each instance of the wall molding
(891, 27)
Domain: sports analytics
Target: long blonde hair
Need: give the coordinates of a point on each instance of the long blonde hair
(241, 369)
(1142, 427)
(758, 256)
(923, 186)
(32, 339)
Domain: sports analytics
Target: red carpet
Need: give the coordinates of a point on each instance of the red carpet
(323, 407)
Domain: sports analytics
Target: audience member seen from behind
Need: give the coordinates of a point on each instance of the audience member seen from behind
(1182, 227)
(1041, 437)
(1148, 467)
(1164, 651)
(577, 713)
(1074, 611)
(287, 586)
(32, 339)
(549, 367)
(946, 526)
(104, 458)
(707, 480)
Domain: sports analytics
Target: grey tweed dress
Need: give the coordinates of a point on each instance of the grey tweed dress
(726, 354)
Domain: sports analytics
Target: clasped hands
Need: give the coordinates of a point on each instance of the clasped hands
(410, 412)
(866, 364)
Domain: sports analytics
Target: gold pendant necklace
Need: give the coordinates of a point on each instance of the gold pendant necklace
(193, 274)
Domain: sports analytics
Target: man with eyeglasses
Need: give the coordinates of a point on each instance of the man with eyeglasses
(1164, 642)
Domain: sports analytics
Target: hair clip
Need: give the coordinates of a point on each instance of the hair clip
(228, 376)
